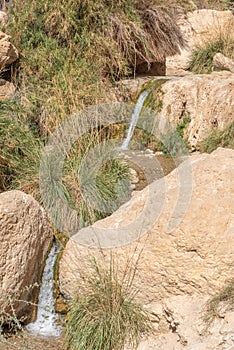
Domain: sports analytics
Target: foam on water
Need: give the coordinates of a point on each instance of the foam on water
(45, 324)
(135, 116)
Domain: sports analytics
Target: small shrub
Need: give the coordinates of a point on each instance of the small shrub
(218, 138)
(104, 315)
(11, 322)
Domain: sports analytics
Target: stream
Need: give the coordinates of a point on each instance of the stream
(149, 168)
(135, 116)
(46, 321)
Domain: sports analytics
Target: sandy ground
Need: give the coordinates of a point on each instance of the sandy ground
(25, 341)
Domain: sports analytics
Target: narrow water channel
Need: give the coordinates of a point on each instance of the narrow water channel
(46, 321)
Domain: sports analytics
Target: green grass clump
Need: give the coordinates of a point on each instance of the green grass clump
(218, 138)
(106, 188)
(20, 150)
(202, 57)
(183, 124)
(104, 316)
(222, 300)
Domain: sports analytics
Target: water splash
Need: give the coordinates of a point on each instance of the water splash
(45, 324)
(135, 116)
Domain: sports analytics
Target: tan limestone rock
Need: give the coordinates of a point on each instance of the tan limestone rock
(198, 28)
(195, 257)
(25, 238)
(8, 53)
(222, 62)
(185, 329)
(178, 271)
(207, 99)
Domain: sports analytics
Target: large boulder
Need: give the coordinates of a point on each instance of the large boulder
(198, 28)
(25, 239)
(177, 270)
(8, 52)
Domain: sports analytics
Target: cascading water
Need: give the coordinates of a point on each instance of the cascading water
(135, 116)
(45, 324)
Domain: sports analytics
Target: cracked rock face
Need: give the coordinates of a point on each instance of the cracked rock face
(206, 99)
(181, 327)
(178, 271)
(25, 238)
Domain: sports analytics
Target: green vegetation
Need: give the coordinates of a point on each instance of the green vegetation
(182, 125)
(153, 101)
(223, 300)
(173, 142)
(188, 5)
(222, 41)
(202, 59)
(71, 51)
(219, 138)
(152, 107)
(20, 150)
(70, 54)
(20, 160)
(104, 315)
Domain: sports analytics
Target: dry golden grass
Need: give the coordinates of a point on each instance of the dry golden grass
(153, 38)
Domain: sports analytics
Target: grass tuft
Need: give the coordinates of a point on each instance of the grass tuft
(221, 40)
(224, 300)
(218, 138)
(104, 315)
(20, 150)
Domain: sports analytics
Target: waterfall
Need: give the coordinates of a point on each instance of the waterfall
(135, 116)
(45, 324)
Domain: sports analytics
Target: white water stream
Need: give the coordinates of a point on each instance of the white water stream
(45, 324)
(135, 116)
